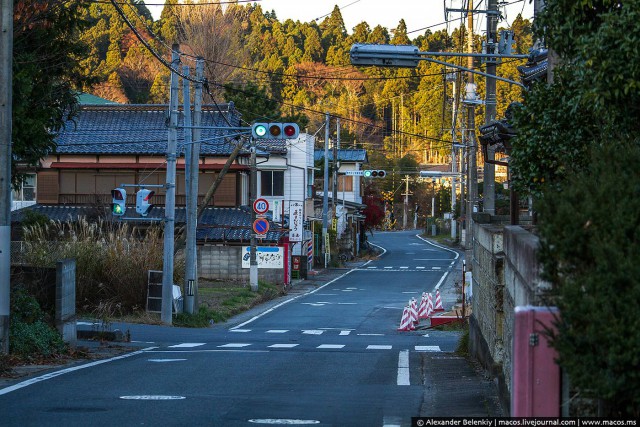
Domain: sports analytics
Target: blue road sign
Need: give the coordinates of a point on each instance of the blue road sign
(261, 226)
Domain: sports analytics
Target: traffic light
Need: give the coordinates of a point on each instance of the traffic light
(143, 205)
(374, 173)
(118, 201)
(275, 130)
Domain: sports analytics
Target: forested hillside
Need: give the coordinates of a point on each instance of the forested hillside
(299, 70)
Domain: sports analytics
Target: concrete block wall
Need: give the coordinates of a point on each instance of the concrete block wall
(225, 263)
(505, 275)
(488, 286)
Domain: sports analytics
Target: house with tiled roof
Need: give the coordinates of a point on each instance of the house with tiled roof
(108, 145)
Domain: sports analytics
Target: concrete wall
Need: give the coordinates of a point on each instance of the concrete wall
(505, 275)
(225, 263)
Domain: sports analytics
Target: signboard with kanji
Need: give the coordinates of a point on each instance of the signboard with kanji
(266, 256)
(296, 221)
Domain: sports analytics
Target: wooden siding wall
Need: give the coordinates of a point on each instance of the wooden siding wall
(91, 186)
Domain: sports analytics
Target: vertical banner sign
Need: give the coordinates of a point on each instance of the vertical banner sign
(296, 222)
(277, 209)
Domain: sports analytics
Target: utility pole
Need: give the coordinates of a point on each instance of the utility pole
(197, 132)
(472, 168)
(490, 106)
(191, 202)
(6, 93)
(454, 162)
(334, 187)
(325, 198)
(406, 202)
(170, 197)
(253, 261)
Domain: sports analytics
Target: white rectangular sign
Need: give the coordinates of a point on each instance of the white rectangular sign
(267, 256)
(277, 205)
(296, 221)
(354, 173)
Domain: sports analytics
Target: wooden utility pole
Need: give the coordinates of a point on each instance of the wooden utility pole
(6, 84)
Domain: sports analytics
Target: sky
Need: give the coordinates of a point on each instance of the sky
(417, 14)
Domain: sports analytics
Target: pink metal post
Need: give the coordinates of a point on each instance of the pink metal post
(535, 379)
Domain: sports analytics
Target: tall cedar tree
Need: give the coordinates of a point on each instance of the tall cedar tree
(46, 52)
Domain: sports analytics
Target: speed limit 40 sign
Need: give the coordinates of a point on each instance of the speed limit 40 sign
(261, 206)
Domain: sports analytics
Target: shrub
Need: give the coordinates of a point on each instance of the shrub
(29, 334)
(590, 247)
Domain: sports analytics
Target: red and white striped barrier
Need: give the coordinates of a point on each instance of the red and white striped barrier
(438, 306)
(422, 311)
(429, 305)
(405, 322)
(413, 307)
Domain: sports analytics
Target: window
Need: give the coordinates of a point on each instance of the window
(27, 190)
(272, 183)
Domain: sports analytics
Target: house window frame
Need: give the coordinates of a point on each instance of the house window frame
(29, 184)
(267, 183)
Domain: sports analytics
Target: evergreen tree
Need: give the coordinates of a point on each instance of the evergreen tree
(47, 52)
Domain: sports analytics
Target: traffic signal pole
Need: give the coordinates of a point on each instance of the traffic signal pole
(253, 261)
(325, 198)
(191, 165)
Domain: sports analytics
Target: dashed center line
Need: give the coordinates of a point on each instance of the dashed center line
(234, 345)
(283, 345)
(187, 345)
(379, 347)
(277, 331)
(331, 346)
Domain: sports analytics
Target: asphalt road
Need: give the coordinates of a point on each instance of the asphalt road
(330, 357)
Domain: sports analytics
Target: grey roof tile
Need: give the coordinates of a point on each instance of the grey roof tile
(142, 129)
(344, 154)
(215, 225)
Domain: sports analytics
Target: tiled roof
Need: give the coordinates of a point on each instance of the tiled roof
(344, 155)
(215, 225)
(142, 129)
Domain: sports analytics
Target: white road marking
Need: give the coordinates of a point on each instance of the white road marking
(428, 348)
(403, 368)
(235, 328)
(355, 289)
(388, 267)
(330, 346)
(313, 304)
(152, 397)
(277, 331)
(239, 330)
(370, 335)
(419, 268)
(436, 268)
(426, 336)
(347, 303)
(187, 345)
(166, 360)
(312, 332)
(391, 422)
(282, 421)
(372, 267)
(234, 345)
(401, 268)
(347, 290)
(66, 371)
(345, 332)
(379, 347)
(411, 293)
(283, 345)
(327, 295)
